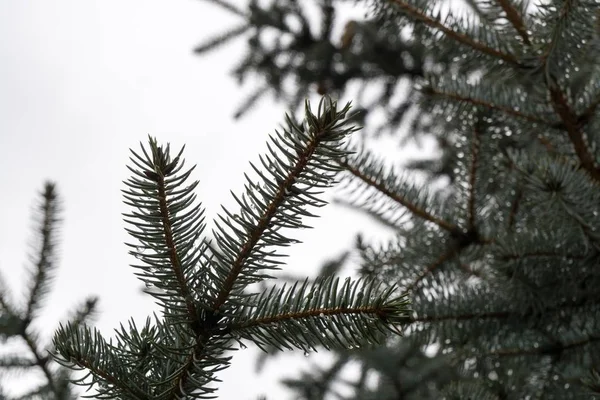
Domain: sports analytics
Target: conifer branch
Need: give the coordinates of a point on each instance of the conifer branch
(165, 231)
(201, 285)
(563, 21)
(513, 256)
(471, 213)
(572, 126)
(311, 56)
(44, 261)
(321, 314)
(41, 361)
(431, 91)
(555, 348)
(463, 317)
(559, 176)
(375, 182)
(85, 312)
(16, 321)
(237, 263)
(562, 18)
(515, 18)
(288, 177)
(592, 381)
(419, 15)
(85, 349)
(444, 257)
(10, 322)
(564, 307)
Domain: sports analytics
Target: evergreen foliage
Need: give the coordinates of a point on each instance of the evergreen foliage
(501, 266)
(29, 353)
(292, 55)
(204, 287)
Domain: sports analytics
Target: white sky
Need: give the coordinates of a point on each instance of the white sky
(83, 81)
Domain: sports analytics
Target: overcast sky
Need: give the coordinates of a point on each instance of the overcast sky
(81, 82)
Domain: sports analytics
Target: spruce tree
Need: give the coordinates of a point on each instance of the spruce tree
(501, 266)
(204, 287)
(29, 353)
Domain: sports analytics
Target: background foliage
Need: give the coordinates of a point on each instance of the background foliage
(501, 262)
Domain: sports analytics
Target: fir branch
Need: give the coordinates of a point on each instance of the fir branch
(201, 286)
(431, 91)
(508, 255)
(41, 361)
(443, 258)
(10, 322)
(80, 349)
(372, 179)
(563, 308)
(319, 314)
(541, 215)
(570, 19)
(44, 261)
(475, 149)
(463, 317)
(16, 322)
(555, 348)
(310, 158)
(311, 56)
(516, 19)
(571, 124)
(435, 23)
(549, 175)
(167, 225)
(256, 227)
(85, 312)
(592, 381)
